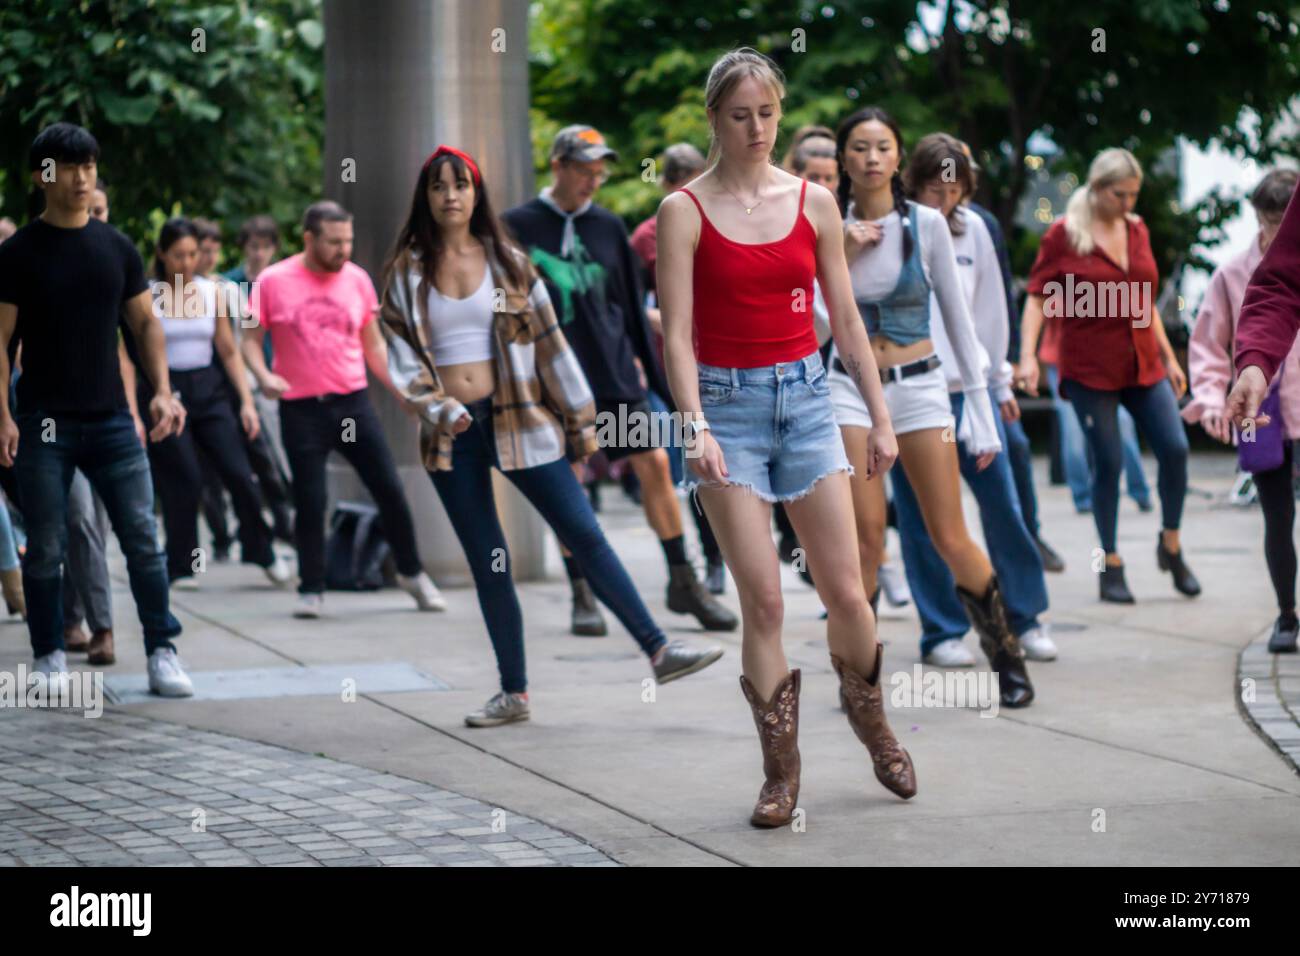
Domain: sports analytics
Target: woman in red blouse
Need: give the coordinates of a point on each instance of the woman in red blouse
(1095, 270)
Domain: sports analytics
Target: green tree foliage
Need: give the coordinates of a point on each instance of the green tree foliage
(993, 72)
(215, 108)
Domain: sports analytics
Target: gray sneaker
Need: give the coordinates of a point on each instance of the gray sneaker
(502, 709)
(680, 659)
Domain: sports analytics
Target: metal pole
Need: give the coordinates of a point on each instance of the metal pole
(402, 76)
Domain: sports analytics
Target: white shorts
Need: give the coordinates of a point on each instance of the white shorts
(916, 403)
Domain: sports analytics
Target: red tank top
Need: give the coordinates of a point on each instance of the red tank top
(754, 301)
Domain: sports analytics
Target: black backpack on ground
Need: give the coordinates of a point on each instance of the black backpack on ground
(356, 552)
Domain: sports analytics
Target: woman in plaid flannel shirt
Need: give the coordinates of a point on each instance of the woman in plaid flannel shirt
(474, 347)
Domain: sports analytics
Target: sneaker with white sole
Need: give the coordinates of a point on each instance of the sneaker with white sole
(187, 583)
(1038, 645)
(309, 605)
(677, 659)
(503, 708)
(55, 662)
(426, 593)
(894, 583)
(278, 572)
(166, 676)
(950, 653)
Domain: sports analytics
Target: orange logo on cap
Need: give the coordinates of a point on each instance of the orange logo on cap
(591, 136)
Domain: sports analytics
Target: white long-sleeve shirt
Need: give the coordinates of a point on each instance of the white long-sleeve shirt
(981, 281)
(875, 271)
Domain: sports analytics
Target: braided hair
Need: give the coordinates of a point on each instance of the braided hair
(846, 127)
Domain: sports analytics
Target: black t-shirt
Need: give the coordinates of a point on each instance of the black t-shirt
(69, 286)
(596, 293)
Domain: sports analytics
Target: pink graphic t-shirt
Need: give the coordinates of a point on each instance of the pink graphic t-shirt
(315, 320)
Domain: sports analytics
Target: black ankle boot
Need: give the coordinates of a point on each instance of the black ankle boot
(686, 595)
(1112, 587)
(1283, 639)
(1184, 581)
(1000, 645)
(586, 619)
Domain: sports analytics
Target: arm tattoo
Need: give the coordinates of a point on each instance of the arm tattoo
(855, 370)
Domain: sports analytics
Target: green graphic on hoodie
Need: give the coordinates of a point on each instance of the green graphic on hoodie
(577, 275)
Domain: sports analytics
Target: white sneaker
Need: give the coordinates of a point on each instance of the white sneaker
(894, 583)
(166, 676)
(185, 584)
(1037, 642)
(950, 653)
(309, 605)
(278, 572)
(426, 593)
(55, 662)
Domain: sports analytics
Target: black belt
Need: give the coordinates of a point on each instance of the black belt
(896, 373)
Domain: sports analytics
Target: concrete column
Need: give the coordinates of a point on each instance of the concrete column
(401, 77)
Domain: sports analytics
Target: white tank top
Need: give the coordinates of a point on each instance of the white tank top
(189, 339)
(460, 330)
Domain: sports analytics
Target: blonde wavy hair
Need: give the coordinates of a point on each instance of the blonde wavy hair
(1108, 166)
(727, 73)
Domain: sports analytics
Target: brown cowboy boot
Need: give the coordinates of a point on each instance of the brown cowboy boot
(999, 643)
(778, 732)
(866, 709)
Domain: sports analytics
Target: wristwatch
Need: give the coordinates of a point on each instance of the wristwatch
(697, 425)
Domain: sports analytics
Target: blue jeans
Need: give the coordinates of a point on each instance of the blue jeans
(1155, 409)
(1076, 455)
(8, 543)
(1011, 547)
(466, 494)
(111, 457)
(1020, 455)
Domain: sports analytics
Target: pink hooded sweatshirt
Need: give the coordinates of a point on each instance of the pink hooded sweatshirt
(1214, 340)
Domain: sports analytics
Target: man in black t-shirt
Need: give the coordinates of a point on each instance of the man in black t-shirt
(581, 250)
(65, 280)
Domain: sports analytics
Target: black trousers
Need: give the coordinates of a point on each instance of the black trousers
(313, 427)
(178, 472)
(1277, 499)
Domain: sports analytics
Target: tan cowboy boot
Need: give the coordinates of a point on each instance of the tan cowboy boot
(865, 705)
(778, 733)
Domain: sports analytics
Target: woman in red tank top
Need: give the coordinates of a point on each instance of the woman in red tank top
(735, 291)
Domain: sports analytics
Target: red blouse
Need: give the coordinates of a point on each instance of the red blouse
(1105, 314)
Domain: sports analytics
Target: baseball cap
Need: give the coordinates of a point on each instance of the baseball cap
(583, 144)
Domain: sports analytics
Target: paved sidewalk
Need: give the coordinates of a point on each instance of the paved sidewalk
(121, 790)
(1137, 751)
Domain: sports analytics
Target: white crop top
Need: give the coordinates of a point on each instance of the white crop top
(460, 330)
(189, 339)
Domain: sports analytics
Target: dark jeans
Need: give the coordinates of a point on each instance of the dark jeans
(1155, 411)
(109, 454)
(1277, 500)
(210, 424)
(313, 427)
(466, 493)
(1022, 470)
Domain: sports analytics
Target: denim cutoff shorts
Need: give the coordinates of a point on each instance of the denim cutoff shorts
(775, 425)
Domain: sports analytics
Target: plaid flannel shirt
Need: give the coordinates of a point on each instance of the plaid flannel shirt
(541, 405)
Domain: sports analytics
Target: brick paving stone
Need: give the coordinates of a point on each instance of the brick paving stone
(122, 790)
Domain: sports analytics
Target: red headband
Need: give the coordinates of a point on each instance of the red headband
(453, 151)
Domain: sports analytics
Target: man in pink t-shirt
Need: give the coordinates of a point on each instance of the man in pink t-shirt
(319, 309)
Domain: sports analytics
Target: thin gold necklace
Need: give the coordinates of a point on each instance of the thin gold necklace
(749, 207)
